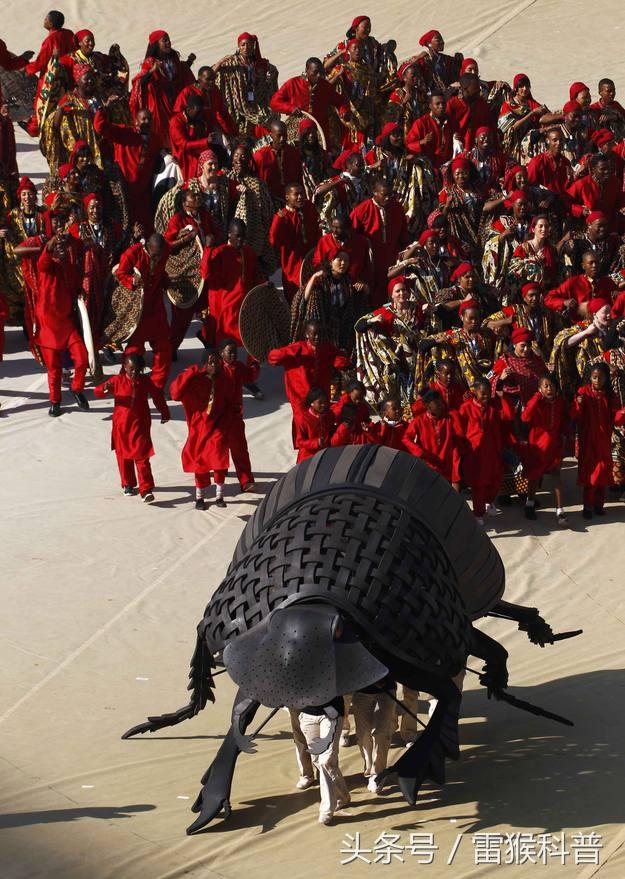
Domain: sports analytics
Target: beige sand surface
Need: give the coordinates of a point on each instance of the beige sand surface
(101, 595)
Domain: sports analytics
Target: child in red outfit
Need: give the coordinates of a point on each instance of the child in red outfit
(480, 422)
(130, 436)
(431, 436)
(391, 429)
(354, 393)
(238, 374)
(546, 416)
(315, 426)
(596, 412)
(445, 380)
(351, 431)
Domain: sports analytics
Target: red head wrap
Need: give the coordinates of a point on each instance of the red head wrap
(79, 70)
(527, 288)
(25, 184)
(204, 157)
(515, 196)
(91, 196)
(388, 129)
(483, 129)
(305, 125)
(48, 216)
(358, 20)
(78, 145)
(428, 37)
(460, 163)
(401, 73)
(341, 159)
(247, 36)
(519, 80)
(570, 106)
(597, 304)
(463, 269)
(468, 303)
(509, 181)
(427, 234)
(400, 279)
(602, 136)
(595, 215)
(468, 62)
(576, 88)
(352, 42)
(521, 334)
(80, 35)
(155, 36)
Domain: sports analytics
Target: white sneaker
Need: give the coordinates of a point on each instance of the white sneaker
(492, 510)
(304, 782)
(374, 787)
(325, 818)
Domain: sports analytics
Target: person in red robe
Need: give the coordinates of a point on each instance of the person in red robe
(342, 237)
(551, 169)
(445, 381)
(468, 111)
(390, 430)
(383, 221)
(572, 296)
(482, 445)
(547, 419)
(315, 426)
(307, 364)
(60, 41)
(312, 93)
(159, 82)
(96, 243)
(137, 149)
(598, 191)
(351, 431)
(143, 265)
(237, 376)
(131, 438)
(188, 135)
(431, 135)
(203, 391)
(216, 116)
(294, 232)
(278, 163)
(596, 412)
(230, 271)
(431, 436)
(59, 274)
(607, 111)
(355, 393)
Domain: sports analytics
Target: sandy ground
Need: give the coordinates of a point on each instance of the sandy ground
(101, 594)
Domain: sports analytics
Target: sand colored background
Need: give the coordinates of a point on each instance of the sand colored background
(101, 595)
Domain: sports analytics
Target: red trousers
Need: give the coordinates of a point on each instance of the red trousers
(239, 452)
(160, 345)
(594, 496)
(203, 480)
(128, 476)
(53, 360)
(482, 495)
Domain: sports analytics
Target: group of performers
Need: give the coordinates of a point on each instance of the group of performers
(450, 250)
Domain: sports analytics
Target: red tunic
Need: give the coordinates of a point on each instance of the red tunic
(554, 174)
(548, 423)
(363, 412)
(236, 375)
(453, 395)
(58, 288)
(482, 448)
(440, 147)
(387, 231)
(292, 235)
(130, 435)
(306, 367)
(187, 142)
(229, 274)
(465, 119)
(316, 100)
(203, 226)
(595, 414)
(153, 323)
(216, 115)
(389, 435)
(356, 246)
(585, 193)
(434, 441)
(344, 435)
(159, 93)
(279, 169)
(580, 288)
(205, 407)
(313, 433)
(61, 41)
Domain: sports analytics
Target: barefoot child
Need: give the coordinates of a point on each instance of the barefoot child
(315, 427)
(202, 391)
(596, 412)
(130, 436)
(547, 419)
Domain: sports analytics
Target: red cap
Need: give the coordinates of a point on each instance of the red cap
(388, 129)
(463, 269)
(595, 215)
(576, 88)
(459, 162)
(305, 124)
(468, 303)
(399, 279)
(80, 35)
(602, 136)
(527, 288)
(25, 184)
(89, 197)
(483, 129)
(401, 73)
(515, 196)
(358, 20)
(155, 36)
(521, 334)
(570, 106)
(517, 82)
(428, 37)
(468, 62)
(427, 234)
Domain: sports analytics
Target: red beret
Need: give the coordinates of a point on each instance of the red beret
(527, 288)
(427, 234)
(521, 334)
(305, 124)
(388, 129)
(597, 304)
(576, 88)
(519, 80)
(341, 159)
(515, 196)
(468, 303)
(89, 197)
(358, 20)
(80, 35)
(595, 215)
(155, 36)
(64, 170)
(468, 62)
(602, 136)
(428, 37)
(483, 129)
(401, 73)
(353, 42)
(26, 184)
(463, 269)
(570, 106)
(459, 162)
(399, 279)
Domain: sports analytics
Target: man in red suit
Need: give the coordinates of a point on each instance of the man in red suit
(342, 237)
(216, 115)
(431, 134)
(278, 163)
(188, 135)
(468, 111)
(598, 191)
(294, 232)
(382, 219)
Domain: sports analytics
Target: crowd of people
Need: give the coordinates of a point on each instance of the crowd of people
(451, 252)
